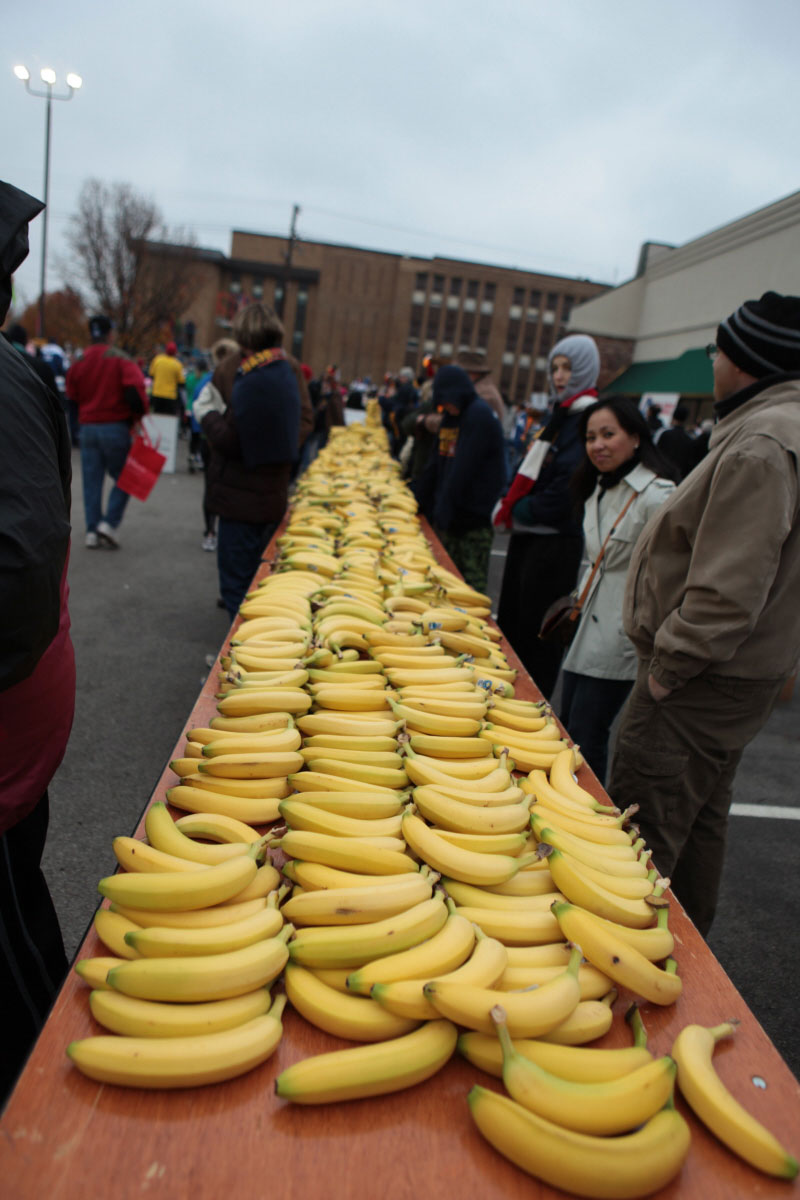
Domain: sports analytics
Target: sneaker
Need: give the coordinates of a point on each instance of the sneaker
(92, 540)
(107, 535)
(209, 541)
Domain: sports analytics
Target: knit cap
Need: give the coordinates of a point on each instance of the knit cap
(763, 336)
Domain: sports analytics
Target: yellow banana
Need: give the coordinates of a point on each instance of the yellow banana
(407, 676)
(183, 766)
(322, 781)
(359, 772)
(590, 830)
(514, 927)
(591, 1019)
(549, 954)
(470, 866)
(240, 743)
(369, 1070)
(405, 997)
(461, 642)
(655, 943)
(356, 945)
(348, 854)
(274, 788)
(212, 827)
(438, 955)
(562, 780)
(298, 815)
(717, 1108)
(528, 1014)
(533, 881)
(477, 897)
(447, 813)
(366, 805)
(131, 1017)
(467, 794)
(538, 785)
(478, 774)
(248, 702)
(580, 1064)
(617, 860)
(94, 971)
(349, 741)
(419, 720)
(178, 1062)
(256, 723)
(328, 721)
(204, 976)
(264, 764)
(135, 855)
(487, 843)
(240, 808)
(632, 1165)
(372, 758)
(593, 984)
(445, 747)
(111, 928)
(357, 1018)
(629, 887)
(201, 918)
(165, 942)
(265, 880)
(181, 889)
(313, 876)
(357, 905)
(163, 833)
(534, 723)
(579, 889)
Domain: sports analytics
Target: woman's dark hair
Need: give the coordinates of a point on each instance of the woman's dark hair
(625, 410)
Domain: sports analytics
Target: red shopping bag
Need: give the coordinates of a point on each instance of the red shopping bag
(142, 467)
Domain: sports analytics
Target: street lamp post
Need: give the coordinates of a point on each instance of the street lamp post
(73, 82)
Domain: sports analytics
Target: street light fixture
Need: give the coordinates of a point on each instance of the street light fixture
(48, 77)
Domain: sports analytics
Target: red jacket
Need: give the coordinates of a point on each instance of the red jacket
(106, 386)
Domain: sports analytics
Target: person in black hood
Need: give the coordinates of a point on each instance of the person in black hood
(37, 664)
(464, 481)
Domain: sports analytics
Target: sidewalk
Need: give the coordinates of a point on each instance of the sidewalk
(144, 618)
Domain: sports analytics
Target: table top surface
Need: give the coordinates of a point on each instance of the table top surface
(65, 1136)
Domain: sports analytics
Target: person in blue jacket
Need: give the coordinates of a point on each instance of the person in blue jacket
(463, 482)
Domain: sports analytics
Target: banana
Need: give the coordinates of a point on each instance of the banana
(463, 690)
(312, 877)
(249, 702)
(265, 764)
(378, 638)
(180, 1061)
(717, 1108)
(593, 984)
(135, 855)
(476, 897)
(602, 1108)
(632, 1165)
(447, 813)
(533, 881)
(257, 723)
(328, 677)
(483, 799)
(340, 723)
(348, 854)
(655, 943)
(298, 815)
(357, 1018)
(628, 887)
(449, 748)
(360, 772)
(369, 1070)
(240, 808)
(578, 1064)
(589, 830)
(591, 1019)
(277, 739)
(549, 954)
(487, 843)
(263, 676)
(367, 805)
(469, 866)
(111, 928)
(202, 918)
(93, 971)
(405, 997)
(461, 642)
(339, 741)
(562, 780)
(540, 786)
(516, 721)
(582, 891)
(165, 835)
(131, 1017)
(529, 1014)
(204, 976)
(428, 722)
(192, 750)
(438, 955)
(265, 880)
(408, 676)
(357, 905)
(165, 942)
(616, 860)
(181, 889)
(356, 945)
(183, 766)
(322, 781)
(255, 789)
(514, 927)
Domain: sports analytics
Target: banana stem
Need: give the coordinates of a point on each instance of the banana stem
(727, 1029)
(634, 1018)
(278, 1005)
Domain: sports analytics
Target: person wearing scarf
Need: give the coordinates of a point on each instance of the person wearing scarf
(545, 548)
(622, 481)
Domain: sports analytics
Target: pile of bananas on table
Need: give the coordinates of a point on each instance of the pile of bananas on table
(445, 883)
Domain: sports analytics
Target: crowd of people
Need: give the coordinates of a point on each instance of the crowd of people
(680, 552)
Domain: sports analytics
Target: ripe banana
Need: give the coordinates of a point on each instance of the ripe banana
(94, 971)
(204, 976)
(593, 983)
(428, 722)
(618, 1168)
(131, 1017)
(447, 813)
(717, 1108)
(357, 905)
(580, 1064)
(356, 945)
(533, 881)
(135, 855)
(249, 702)
(405, 997)
(529, 1014)
(360, 772)
(580, 890)
(476, 897)
(655, 943)
(240, 808)
(165, 835)
(111, 928)
(439, 955)
(369, 1070)
(298, 815)
(487, 843)
(254, 789)
(408, 676)
(590, 830)
(328, 721)
(312, 876)
(366, 806)
(165, 941)
(338, 741)
(617, 860)
(357, 1018)
(450, 748)
(277, 739)
(469, 866)
(265, 764)
(513, 927)
(540, 786)
(180, 1061)
(324, 781)
(181, 890)
(257, 723)
(201, 918)
(348, 854)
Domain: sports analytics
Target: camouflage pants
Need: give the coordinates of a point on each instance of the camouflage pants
(470, 552)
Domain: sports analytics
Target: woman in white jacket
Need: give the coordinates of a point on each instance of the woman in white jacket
(622, 467)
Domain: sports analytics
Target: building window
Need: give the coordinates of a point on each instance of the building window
(567, 307)
(453, 302)
(536, 299)
(446, 348)
(473, 288)
(438, 283)
(430, 346)
(515, 312)
(528, 337)
(489, 290)
(432, 327)
(487, 306)
(541, 364)
(418, 297)
(422, 281)
(278, 295)
(469, 305)
(521, 390)
(512, 335)
(548, 317)
(450, 324)
(508, 358)
(484, 326)
(236, 285)
(533, 314)
(524, 360)
(455, 287)
(467, 327)
(435, 300)
(519, 296)
(258, 290)
(552, 301)
(412, 343)
(415, 327)
(505, 377)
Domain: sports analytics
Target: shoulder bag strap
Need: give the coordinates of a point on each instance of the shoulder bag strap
(579, 603)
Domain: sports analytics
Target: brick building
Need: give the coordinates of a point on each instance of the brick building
(369, 312)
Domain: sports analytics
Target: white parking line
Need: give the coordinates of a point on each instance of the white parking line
(499, 553)
(765, 810)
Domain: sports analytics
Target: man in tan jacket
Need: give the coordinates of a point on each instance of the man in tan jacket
(711, 606)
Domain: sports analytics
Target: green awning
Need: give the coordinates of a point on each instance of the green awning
(689, 375)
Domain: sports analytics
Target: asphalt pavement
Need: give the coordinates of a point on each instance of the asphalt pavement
(144, 620)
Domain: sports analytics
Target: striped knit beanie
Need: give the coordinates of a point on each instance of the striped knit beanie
(763, 336)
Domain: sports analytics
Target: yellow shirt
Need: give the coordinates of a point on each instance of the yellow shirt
(167, 373)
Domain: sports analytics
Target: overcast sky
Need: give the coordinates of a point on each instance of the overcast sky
(546, 134)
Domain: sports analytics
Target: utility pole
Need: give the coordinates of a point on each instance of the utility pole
(288, 258)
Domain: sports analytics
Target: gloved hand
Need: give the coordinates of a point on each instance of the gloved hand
(208, 400)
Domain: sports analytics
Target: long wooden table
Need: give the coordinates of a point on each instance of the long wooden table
(64, 1136)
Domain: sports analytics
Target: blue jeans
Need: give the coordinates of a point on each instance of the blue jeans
(104, 449)
(240, 545)
(588, 709)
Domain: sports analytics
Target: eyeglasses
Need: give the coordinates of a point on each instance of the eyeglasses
(712, 350)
